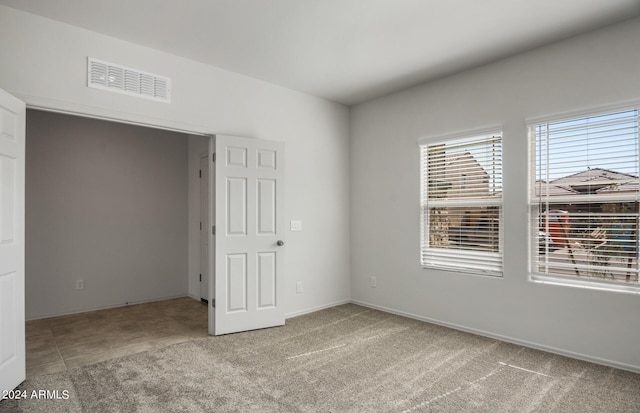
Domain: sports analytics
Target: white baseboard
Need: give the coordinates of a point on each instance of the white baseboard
(524, 343)
(314, 309)
(195, 297)
(106, 307)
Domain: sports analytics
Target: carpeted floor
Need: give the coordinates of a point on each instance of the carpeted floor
(344, 359)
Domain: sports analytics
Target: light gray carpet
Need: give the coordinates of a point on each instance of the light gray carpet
(344, 359)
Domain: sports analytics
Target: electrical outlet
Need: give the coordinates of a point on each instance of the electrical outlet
(79, 284)
(299, 287)
(373, 282)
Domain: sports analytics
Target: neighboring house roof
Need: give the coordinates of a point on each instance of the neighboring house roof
(590, 181)
(465, 157)
(454, 156)
(631, 186)
(461, 176)
(543, 188)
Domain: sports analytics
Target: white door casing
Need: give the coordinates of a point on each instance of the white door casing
(249, 240)
(12, 213)
(204, 227)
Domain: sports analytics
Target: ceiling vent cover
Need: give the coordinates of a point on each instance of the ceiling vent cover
(116, 78)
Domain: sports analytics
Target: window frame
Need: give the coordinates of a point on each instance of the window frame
(499, 203)
(591, 283)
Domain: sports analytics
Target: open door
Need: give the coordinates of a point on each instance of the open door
(248, 245)
(12, 187)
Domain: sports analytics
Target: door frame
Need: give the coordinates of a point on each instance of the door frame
(86, 111)
(211, 171)
(204, 224)
(91, 112)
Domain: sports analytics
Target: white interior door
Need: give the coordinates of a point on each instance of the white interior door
(249, 234)
(204, 227)
(12, 185)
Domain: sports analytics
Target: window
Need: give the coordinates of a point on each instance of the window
(462, 204)
(584, 197)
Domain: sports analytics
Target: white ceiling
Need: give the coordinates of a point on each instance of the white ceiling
(347, 51)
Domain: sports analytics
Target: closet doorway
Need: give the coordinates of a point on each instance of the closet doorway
(108, 214)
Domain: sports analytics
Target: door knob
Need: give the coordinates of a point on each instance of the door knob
(280, 243)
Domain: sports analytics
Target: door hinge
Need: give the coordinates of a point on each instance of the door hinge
(200, 173)
(214, 157)
(213, 302)
(213, 230)
(200, 277)
(200, 226)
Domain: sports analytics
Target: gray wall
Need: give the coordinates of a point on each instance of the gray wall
(106, 203)
(599, 68)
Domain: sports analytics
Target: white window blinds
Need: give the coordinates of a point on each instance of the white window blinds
(585, 197)
(462, 204)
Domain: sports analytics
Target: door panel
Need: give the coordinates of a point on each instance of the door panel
(236, 222)
(236, 282)
(266, 207)
(12, 185)
(249, 188)
(267, 280)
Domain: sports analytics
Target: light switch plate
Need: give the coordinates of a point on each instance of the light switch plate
(296, 225)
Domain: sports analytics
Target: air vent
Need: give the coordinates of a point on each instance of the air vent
(115, 78)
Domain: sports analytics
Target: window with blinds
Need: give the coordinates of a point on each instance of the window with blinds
(462, 204)
(584, 197)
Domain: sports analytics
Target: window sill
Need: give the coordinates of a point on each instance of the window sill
(590, 284)
(465, 271)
